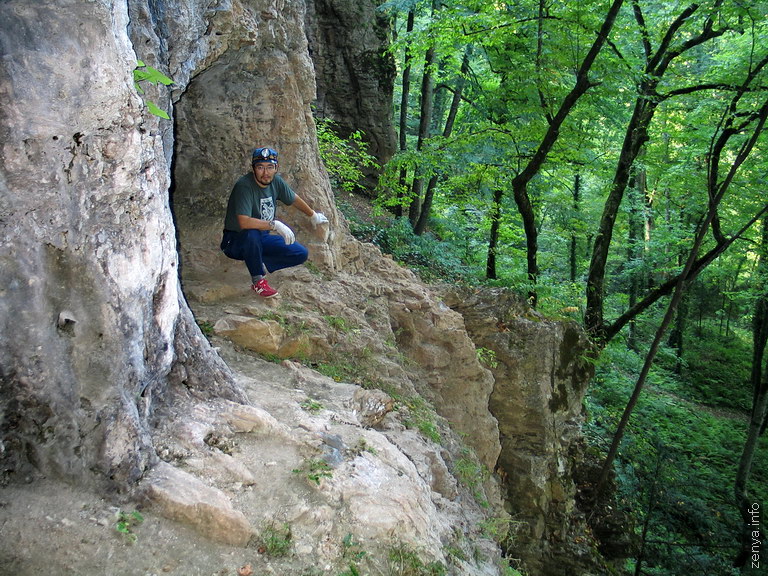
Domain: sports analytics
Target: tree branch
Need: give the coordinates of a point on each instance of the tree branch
(665, 289)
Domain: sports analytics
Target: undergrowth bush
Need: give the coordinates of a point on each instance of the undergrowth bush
(718, 369)
(428, 256)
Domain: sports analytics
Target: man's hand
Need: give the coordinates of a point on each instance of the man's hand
(284, 231)
(318, 218)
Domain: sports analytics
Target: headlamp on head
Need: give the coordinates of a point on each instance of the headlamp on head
(264, 155)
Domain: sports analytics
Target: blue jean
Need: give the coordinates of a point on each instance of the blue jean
(260, 249)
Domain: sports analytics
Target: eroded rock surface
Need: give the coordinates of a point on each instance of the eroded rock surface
(541, 370)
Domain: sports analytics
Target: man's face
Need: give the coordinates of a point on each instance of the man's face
(264, 172)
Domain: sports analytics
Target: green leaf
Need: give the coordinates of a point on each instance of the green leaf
(157, 111)
(144, 73)
(150, 74)
(157, 77)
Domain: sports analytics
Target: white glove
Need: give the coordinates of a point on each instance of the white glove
(318, 218)
(284, 231)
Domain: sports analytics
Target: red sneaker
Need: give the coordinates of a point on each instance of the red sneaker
(263, 289)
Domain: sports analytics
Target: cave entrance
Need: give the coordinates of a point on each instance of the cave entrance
(218, 119)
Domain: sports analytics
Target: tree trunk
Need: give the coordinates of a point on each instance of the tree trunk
(635, 243)
(493, 240)
(403, 125)
(677, 334)
(635, 138)
(685, 277)
(759, 378)
(425, 122)
(421, 224)
(573, 257)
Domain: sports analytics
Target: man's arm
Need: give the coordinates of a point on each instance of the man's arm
(301, 205)
(249, 223)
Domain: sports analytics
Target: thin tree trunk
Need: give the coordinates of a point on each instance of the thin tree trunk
(635, 138)
(635, 242)
(426, 208)
(651, 356)
(404, 112)
(425, 121)
(655, 480)
(677, 334)
(759, 407)
(574, 238)
(493, 241)
(744, 502)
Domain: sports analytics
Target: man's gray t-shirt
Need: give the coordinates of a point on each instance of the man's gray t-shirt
(250, 199)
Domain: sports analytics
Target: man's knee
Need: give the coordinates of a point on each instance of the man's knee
(296, 254)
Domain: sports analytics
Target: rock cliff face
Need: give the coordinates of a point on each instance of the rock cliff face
(88, 264)
(540, 371)
(107, 379)
(348, 40)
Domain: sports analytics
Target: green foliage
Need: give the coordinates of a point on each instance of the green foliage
(405, 561)
(353, 570)
(717, 370)
(487, 357)
(314, 470)
(677, 463)
(127, 522)
(275, 540)
(363, 446)
(339, 370)
(206, 328)
(337, 323)
(499, 529)
(421, 416)
(351, 549)
(472, 474)
(344, 158)
(430, 257)
(145, 73)
(311, 406)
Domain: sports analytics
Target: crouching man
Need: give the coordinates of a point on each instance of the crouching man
(251, 232)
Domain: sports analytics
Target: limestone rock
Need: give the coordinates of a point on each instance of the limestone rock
(245, 418)
(371, 406)
(180, 496)
(538, 402)
(115, 235)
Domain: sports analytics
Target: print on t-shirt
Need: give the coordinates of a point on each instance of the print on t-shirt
(267, 209)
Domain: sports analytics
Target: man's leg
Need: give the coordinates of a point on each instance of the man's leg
(247, 246)
(278, 255)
